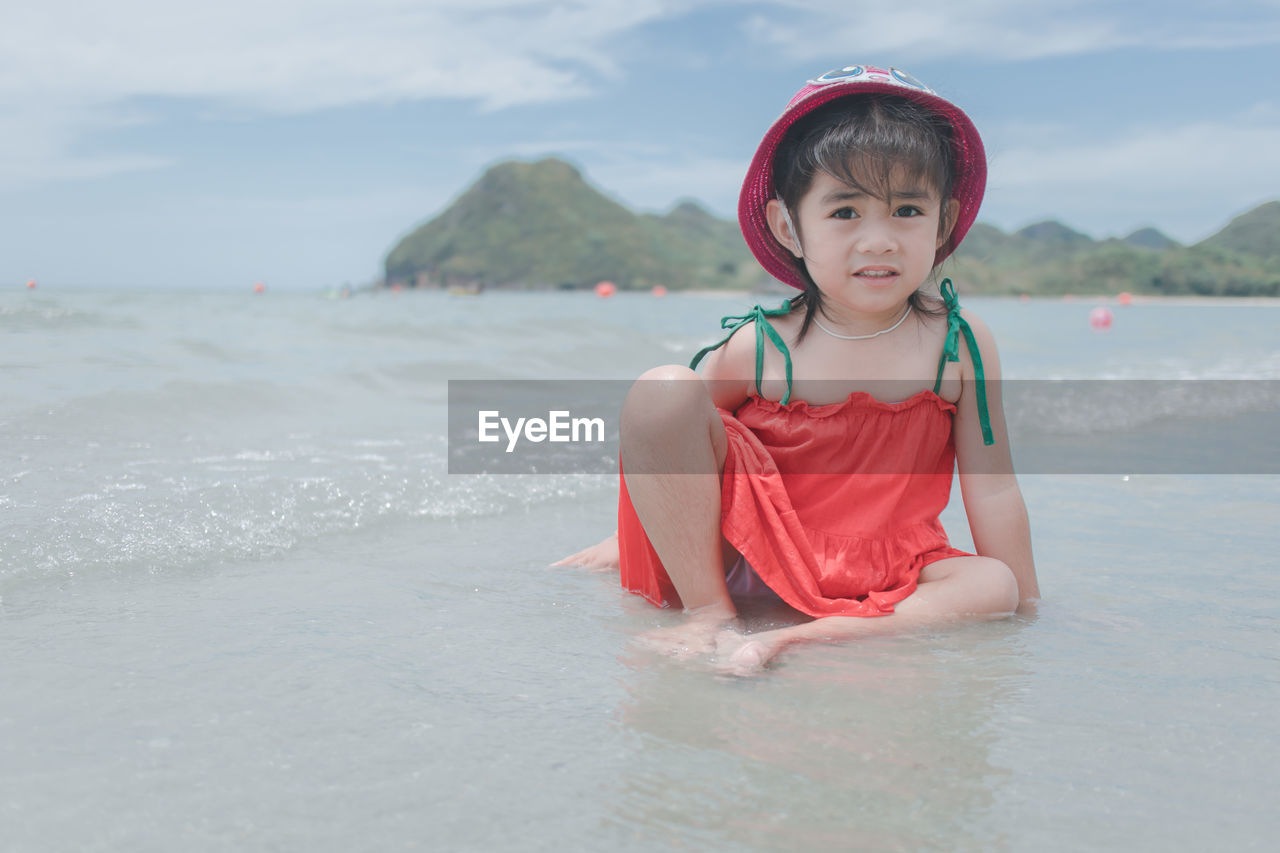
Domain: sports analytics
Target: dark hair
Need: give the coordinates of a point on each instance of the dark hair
(861, 140)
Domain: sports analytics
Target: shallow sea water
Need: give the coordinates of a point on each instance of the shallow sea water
(242, 606)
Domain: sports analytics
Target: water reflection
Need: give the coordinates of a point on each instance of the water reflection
(882, 744)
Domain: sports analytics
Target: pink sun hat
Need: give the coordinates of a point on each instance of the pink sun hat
(758, 188)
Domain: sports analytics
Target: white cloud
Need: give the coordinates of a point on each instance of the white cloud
(65, 65)
(1185, 178)
(654, 182)
(295, 55)
(44, 141)
(1009, 29)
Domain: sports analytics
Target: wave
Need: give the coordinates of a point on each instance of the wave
(138, 510)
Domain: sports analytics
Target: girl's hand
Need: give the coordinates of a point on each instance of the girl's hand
(742, 654)
(601, 557)
(728, 651)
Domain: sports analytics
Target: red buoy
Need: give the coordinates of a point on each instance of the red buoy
(259, 287)
(31, 284)
(1125, 298)
(1100, 318)
(605, 289)
(659, 290)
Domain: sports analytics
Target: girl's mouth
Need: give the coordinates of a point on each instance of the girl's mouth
(875, 273)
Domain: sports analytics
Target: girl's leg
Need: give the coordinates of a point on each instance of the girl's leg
(958, 587)
(673, 452)
(949, 590)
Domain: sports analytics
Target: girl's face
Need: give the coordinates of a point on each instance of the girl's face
(864, 253)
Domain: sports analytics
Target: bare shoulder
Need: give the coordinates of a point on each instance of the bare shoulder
(730, 370)
(986, 342)
(980, 328)
(736, 359)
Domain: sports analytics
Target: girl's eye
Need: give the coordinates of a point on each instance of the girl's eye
(909, 210)
(844, 213)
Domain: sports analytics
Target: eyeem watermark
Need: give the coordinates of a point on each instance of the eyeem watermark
(559, 426)
(518, 426)
(1054, 426)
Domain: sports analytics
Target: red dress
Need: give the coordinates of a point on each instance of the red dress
(828, 544)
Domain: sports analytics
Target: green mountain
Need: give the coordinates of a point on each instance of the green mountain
(1053, 233)
(539, 225)
(1150, 238)
(1254, 233)
(1050, 258)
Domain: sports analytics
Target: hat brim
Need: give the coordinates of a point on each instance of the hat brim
(758, 188)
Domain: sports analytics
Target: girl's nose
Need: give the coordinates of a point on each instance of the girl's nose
(875, 237)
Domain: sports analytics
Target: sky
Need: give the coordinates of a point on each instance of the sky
(148, 143)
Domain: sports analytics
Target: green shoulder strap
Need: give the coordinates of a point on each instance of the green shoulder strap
(957, 325)
(763, 328)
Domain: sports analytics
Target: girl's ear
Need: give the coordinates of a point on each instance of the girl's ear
(950, 213)
(781, 227)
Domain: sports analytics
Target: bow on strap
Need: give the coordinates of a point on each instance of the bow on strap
(757, 315)
(957, 325)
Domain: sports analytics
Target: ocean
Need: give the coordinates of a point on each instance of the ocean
(245, 606)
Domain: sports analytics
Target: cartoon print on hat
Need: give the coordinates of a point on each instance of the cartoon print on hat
(837, 75)
(757, 187)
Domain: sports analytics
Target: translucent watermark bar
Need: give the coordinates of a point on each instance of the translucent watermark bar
(1054, 426)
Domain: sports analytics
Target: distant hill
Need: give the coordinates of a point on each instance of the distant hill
(1150, 238)
(1054, 234)
(1051, 258)
(539, 225)
(1254, 233)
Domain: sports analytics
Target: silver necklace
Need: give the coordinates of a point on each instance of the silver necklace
(862, 337)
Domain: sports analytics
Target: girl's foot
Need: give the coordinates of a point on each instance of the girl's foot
(601, 557)
(691, 638)
(677, 641)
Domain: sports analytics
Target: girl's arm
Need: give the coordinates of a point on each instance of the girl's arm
(992, 500)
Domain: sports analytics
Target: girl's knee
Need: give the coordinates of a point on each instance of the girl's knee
(668, 373)
(670, 425)
(665, 398)
(983, 585)
(1000, 586)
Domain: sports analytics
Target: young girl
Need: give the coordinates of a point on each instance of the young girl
(811, 460)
